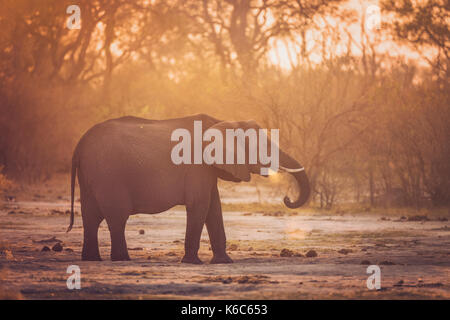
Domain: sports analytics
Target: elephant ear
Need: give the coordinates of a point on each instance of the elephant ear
(238, 171)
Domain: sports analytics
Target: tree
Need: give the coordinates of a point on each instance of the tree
(422, 24)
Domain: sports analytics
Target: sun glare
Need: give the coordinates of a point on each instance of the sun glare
(285, 53)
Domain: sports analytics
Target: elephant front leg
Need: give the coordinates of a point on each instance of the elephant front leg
(196, 216)
(216, 230)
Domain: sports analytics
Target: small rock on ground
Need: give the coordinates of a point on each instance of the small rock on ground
(311, 254)
(387, 263)
(57, 247)
(286, 253)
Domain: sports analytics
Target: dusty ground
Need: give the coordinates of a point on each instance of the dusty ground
(413, 256)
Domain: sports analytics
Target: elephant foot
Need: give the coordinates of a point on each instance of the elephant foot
(223, 258)
(90, 255)
(91, 258)
(191, 259)
(120, 258)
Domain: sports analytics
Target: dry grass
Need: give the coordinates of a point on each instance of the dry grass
(5, 183)
(352, 209)
(5, 292)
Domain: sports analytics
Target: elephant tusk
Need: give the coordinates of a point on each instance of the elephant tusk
(291, 170)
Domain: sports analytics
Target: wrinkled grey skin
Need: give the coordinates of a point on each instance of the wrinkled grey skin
(124, 167)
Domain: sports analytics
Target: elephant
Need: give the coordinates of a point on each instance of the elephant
(124, 167)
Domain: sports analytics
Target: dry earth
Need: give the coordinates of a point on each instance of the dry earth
(269, 250)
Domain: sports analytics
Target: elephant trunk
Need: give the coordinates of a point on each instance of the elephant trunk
(289, 165)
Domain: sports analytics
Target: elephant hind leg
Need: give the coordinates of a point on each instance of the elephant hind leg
(91, 221)
(119, 250)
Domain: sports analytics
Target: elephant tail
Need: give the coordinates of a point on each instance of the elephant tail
(72, 187)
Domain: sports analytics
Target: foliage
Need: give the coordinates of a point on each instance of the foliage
(364, 123)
